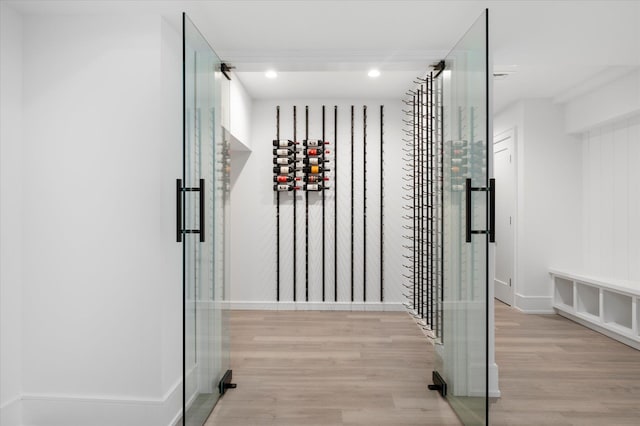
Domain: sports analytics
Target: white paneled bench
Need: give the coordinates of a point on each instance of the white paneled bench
(606, 305)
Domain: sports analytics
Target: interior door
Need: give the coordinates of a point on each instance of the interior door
(203, 195)
(504, 171)
(461, 365)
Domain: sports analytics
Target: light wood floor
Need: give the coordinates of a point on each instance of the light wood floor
(330, 368)
(359, 368)
(556, 372)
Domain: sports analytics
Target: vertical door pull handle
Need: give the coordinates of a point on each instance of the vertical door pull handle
(491, 231)
(179, 194)
(467, 209)
(202, 209)
(492, 210)
(179, 210)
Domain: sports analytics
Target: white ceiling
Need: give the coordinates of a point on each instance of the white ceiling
(324, 48)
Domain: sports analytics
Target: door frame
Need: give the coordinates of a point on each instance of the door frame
(497, 138)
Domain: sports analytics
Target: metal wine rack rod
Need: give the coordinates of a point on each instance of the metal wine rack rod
(423, 158)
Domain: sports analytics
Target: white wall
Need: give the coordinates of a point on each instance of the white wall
(169, 150)
(607, 104)
(254, 221)
(240, 105)
(101, 269)
(611, 200)
(548, 230)
(10, 216)
(606, 119)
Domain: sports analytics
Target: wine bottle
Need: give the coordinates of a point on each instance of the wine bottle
(284, 179)
(285, 187)
(284, 170)
(314, 142)
(283, 160)
(314, 178)
(315, 161)
(283, 151)
(314, 151)
(314, 169)
(314, 187)
(459, 143)
(458, 161)
(458, 169)
(283, 143)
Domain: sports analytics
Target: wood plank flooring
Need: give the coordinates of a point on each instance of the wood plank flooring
(366, 368)
(330, 368)
(554, 371)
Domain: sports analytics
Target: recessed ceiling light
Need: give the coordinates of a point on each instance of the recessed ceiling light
(271, 74)
(374, 73)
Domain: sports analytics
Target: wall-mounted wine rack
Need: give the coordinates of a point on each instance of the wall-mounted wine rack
(423, 185)
(301, 167)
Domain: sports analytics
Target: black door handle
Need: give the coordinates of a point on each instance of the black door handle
(202, 210)
(467, 209)
(178, 210)
(179, 193)
(492, 210)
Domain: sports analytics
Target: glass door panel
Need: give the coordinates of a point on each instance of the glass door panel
(204, 236)
(462, 351)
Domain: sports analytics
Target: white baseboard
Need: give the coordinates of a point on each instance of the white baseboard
(72, 410)
(11, 412)
(592, 325)
(318, 306)
(534, 304)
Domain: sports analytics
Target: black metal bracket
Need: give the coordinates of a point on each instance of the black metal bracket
(225, 382)
(179, 193)
(438, 68)
(438, 384)
(491, 189)
(226, 70)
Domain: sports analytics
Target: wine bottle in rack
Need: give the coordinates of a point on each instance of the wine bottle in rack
(314, 187)
(459, 169)
(314, 161)
(284, 179)
(283, 143)
(284, 170)
(314, 151)
(314, 178)
(314, 169)
(283, 152)
(285, 187)
(283, 160)
(459, 143)
(314, 142)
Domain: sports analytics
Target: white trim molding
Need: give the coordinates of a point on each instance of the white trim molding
(318, 306)
(534, 304)
(64, 410)
(11, 412)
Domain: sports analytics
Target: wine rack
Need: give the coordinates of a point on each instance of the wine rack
(305, 170)
(423, 186)
(300, 166)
